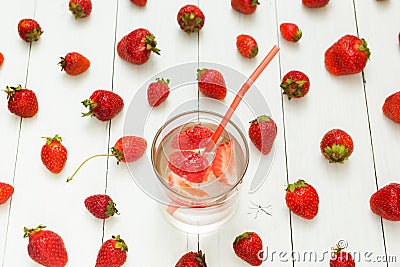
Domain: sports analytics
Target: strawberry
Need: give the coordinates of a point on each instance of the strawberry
(74, 63)
(386, 202)
(290, 32)
(139, 2)
(302, 199)
(248, 246)
(247, 45)
(348, 55)
(190, 165)
(29, 30)
(192, 138)
(336, 146)
(192, 259)
(54, 154)
(315, 3)
(224, 165)
(157, 92)
(6, 192)
(190, 18)
(80, 8)
(22, 102)
(185, 187)
(112, 253)
(341, 258)
(1, 59)
(262, 133)
(126, 149)
(391, 107)
(101, 206)
(104, 105)
(137, 46)
(245, 6)
(295, 84)
(211, 83)
(46, 247)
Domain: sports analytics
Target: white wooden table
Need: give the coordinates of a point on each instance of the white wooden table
(352, 103)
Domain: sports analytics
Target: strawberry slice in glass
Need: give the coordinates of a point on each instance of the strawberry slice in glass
(189, 165)
(192, 138)
(185, 187)
(224, 165)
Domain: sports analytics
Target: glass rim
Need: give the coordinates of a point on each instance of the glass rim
(162, 179)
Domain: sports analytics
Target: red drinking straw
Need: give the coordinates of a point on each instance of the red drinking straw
(239, 96)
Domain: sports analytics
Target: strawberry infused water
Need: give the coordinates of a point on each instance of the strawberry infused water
(202, 186)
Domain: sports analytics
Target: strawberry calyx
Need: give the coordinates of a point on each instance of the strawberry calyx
(49, 140)
(254, 51)
(190, 23)
(292, 187)
(297, 35)
(336, 153)
(111, 209)
(243, 236)
(364, 48)
(10, 91)
(33, 35)
(260, 119)
(77, 10)
(161, 80)
(151, 43)
(62, 63)
(28, 232)
(88, 103)
(200, 72)
(337, 249)
(293, 88)
(201, 258)
(119, 155)
(254, 3)
(120, 243)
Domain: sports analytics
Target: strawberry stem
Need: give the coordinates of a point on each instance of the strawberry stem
(69, 179)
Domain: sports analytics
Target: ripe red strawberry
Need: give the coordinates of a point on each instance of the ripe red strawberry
(1, 59)
(315, 3)
(190, 18)
(341, 258)
(139, 2)
(290, 32)
(348, 55)
(386, 202)
(80, 8)
(247, 45)
(295, 84)
(192, 138)
(54, 154)
(137, 46)
(302, 199)
(336, 146)
(192, 259)
(6, 192)
(157, 92)
(101, 206)
(211, 83)
(248, 246)
(245, 6)
(190, 165)
(224, 165)
(46, 247)
(22, 102)
(74, 63)
(104, 105)
(262, 133)
(391, 107)
(29, 30)
(127, 149)
(112, 253)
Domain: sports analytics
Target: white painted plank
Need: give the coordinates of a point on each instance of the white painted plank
(221, 48)
(141, 221)
(41, 197)
(12, 73)
(379, 23)
(333, 102)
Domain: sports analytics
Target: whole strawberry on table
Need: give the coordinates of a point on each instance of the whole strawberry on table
(74, 63)
(190, 18)
(386, 202)
(211, 83)
(1, 59)
(103, 104)
(192, 259)
(157, 92)
(315, 3)
(29, 30)
(348, 55)
(262, 133)
(302, 199)
(247, 45)
(336, 146)
(54, 154)
(80, 8)
(295, 84)
(112, 253)
(101, 206)
(22, 101)
(290, 32)
(245, 6)
(249, 247)
(6, 191)
(391, 107)
(341, 258)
